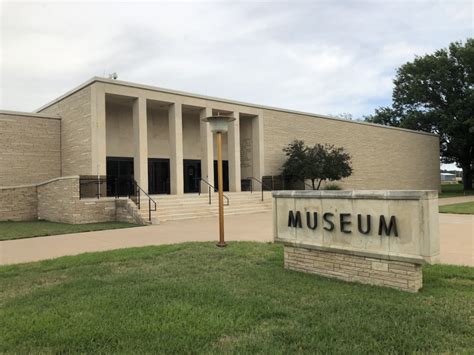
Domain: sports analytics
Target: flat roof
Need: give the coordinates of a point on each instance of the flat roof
(29, 114)
(218, 99)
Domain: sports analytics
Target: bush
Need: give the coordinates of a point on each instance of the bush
(332, 187)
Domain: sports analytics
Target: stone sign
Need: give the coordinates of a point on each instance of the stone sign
(376, 237)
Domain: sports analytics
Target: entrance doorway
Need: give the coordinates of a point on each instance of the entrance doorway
(158, 176)
(225, 170)
(119, 176)
(192, 175)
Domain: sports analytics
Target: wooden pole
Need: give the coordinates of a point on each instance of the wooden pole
(220, 186)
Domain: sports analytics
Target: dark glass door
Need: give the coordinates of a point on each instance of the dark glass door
(225, 169)
(119, 176)
(192, 175)
(158, 176)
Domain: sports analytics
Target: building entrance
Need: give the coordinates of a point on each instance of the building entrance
(225, 170)
(192, 175)
(158, 176)
(119, 176)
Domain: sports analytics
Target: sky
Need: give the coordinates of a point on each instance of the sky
(326, 57)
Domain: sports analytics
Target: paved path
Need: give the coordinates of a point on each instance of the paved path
(253, 227)
(456, 232)
(454, 200)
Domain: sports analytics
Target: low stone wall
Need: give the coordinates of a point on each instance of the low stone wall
(402, 275)
(127, 211)
(18, 203)
(58, 200)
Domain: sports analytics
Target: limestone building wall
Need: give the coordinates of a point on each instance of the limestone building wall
(382, 158)
(76, 132)
(29, 148)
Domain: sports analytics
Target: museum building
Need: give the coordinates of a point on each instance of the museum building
(120, 132)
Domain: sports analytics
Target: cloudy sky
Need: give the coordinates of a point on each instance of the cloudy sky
(327, 57)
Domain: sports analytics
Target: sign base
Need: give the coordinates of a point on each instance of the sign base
(402, 275)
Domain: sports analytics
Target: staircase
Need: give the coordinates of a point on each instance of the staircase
(190, 206)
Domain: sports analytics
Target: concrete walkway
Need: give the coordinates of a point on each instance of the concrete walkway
(249, 227)
(456, 233)
(454, 200)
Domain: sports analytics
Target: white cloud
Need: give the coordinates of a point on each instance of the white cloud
(323, 57)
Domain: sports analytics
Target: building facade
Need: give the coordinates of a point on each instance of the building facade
(119, 130)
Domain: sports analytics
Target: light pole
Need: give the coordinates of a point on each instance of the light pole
(219, 125)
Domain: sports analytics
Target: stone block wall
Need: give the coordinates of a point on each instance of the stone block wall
(382, 157)
(401, 275)
(18, 203)
(58, 200)
(30, 148)
(76, 132)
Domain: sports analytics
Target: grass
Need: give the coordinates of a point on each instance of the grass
(460, 208)
(196, 298)
(18, 230)
(454, 190)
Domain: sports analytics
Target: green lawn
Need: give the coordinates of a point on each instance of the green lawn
(18, 230)
(454, 190)
(196, 298)
(461, 208)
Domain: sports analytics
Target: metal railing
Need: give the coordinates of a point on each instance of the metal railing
(268, 187)
(262, 185)
(92, 186)
(209, 191)
(138, 193)
(115, 187)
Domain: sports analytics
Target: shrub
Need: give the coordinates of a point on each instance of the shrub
(332, 187)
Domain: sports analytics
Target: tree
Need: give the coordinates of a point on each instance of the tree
(317, 163)
(435, 93)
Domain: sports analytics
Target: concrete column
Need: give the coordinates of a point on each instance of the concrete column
(257, 147)
(207, 156)
(175, 118)
(98, 137)
(140, 143)
(233, 146)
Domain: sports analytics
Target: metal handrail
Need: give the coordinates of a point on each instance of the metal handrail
(150, 200)
(298, 178)
(83, 183)
(261, 184)
(215, 190)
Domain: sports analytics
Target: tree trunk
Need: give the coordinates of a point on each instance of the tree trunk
(312, 182)
(319, 184)
(467, 177)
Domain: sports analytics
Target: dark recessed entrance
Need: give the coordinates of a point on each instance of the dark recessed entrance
(225, 169)
(119, 176)
(158, 176)
(192, 175)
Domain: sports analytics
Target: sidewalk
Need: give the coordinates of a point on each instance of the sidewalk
(248, 227)
(454, 200)
(456, 238)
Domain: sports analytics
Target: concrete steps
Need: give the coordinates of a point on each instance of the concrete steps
(191, 206)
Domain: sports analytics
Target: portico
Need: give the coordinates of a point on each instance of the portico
(160, 139)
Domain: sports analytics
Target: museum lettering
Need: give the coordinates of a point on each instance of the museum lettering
(345, 222)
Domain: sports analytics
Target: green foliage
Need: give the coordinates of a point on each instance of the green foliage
(332, 187)
(454, 190)
(435, 93)
(458, 208)
(317, 163)
(198, 299)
